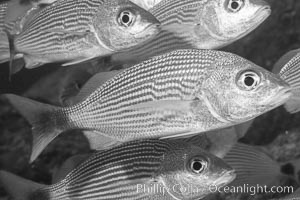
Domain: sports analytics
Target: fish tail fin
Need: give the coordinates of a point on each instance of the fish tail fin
(14, 66)
(20, 188)
(47, 121)
(290, 72)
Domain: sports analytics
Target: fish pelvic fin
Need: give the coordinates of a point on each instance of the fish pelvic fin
(14, 66)
(290, 72)
(20, 188)
(46, 120)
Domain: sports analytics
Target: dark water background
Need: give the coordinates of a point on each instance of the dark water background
(278, 35)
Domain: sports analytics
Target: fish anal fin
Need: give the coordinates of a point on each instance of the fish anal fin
(99, 141)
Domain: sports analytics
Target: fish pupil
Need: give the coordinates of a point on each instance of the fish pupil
(249, 81)
(197, 166)
(234, 5)
(125, 19)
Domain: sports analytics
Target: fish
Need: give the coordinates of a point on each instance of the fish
(124, 171)
(253, 165)
(82, 30)
(284, 67)
(199, 24)
(178, 94)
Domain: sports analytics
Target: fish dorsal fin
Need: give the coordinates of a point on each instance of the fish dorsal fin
(93, 84)
(17, 187)
(68, 166)
(290, 72)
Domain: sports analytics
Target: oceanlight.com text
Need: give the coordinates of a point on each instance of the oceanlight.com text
(252, 190)
(193, 190)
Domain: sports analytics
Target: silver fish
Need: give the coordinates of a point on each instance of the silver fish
(181, 93)
(253, 165)
(130, 171)
(198, 24)
(75, 31)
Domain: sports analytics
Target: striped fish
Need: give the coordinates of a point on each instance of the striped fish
(208, 24)
(176, 94)
(74, 31)
(139, 170)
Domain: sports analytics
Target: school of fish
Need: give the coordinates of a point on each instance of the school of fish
(167, 123)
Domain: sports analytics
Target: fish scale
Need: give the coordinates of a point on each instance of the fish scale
(178, 74)
(168, 12)
(108, 174)
(189, 24)
(61, 15)
(3, 8)
(180, 93)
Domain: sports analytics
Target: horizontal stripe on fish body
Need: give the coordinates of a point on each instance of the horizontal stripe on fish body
(164, 42)
(72, 16)
(113, 174)
(175, 12)
(174, 77)
(3, 8)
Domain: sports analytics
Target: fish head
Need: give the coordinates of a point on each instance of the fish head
(229, 20)
(190, 172)
(126, 25)
(237, 90)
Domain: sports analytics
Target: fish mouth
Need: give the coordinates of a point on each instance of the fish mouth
(260, 16)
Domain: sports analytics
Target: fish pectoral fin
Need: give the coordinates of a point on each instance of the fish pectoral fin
(293, 104)
(93, 84)
(99, 141)
(161, 105)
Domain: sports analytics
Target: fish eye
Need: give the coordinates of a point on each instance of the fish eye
(235, 5)
(126, 18)
(248, 80)
(198, 165)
